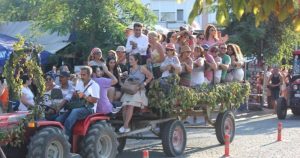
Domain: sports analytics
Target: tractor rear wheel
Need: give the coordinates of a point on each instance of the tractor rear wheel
(100, 142)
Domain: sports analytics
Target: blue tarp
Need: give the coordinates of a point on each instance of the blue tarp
(6, 48)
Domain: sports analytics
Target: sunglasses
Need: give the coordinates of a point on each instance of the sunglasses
(169, 50)
(201, 38)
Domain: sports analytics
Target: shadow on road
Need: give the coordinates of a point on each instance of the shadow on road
(157, 152)
(267, 126)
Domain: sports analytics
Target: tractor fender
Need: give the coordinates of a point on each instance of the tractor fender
(82, 126)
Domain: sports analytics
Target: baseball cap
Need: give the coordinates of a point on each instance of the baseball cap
(205, 47)
(170, 46)
(64, 74)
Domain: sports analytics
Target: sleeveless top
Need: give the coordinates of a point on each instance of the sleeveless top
(137, 74)
(275, 80)
(155, 57)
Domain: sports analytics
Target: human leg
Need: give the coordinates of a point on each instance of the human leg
(63, 117)
(75, 115)
(128, 115)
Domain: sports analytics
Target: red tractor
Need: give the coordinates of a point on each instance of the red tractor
(293, 98)
(92, 137)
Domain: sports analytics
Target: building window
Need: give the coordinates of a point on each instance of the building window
(179, 15)
(167, 16)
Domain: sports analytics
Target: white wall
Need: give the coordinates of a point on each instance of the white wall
(173, 6)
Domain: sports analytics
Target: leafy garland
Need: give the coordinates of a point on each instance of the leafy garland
(19, 63)
(181, 99)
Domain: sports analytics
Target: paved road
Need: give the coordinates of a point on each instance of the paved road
(255, 137)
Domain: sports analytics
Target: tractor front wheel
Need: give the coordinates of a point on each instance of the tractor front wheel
(49, 142)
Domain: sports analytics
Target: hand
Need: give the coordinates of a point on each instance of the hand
(142, 86)
(223, 39)
(104, 67)
(134, 45)
(80, 94)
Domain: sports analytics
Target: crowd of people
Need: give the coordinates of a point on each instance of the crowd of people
(147, 55)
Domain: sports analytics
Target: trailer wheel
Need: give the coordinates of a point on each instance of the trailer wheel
(100, 141)
(173, 138)
(49, 142)
(225, 121)
(281, 108)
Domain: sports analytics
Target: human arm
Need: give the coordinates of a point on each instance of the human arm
(176, 65)
(148, 75)
(114, 80)
(210, 61)
(188, 65)
(128, 45)
(25, 101)
(142, 44)
(161, 52)
(227, 62)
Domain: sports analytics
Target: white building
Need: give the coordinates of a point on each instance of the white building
(172, 14)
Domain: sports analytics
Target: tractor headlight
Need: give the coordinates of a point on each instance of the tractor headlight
(295, 87)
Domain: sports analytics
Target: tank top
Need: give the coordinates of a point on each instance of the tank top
(275, 80)
(155, 58)
(137, 74)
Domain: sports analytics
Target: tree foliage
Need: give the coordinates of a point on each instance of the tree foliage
(274, 40)
(261, 9)
(95, 22)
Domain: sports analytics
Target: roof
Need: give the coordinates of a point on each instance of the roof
(51, 42)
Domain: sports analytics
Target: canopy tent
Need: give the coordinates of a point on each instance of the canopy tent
(51, 42)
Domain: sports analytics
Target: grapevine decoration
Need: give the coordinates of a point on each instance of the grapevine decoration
(180, 99)
(24, 60)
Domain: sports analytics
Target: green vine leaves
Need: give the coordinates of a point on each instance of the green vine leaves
(24, 59)
(181, 99)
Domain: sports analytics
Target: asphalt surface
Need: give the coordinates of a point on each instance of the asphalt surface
(256, 137)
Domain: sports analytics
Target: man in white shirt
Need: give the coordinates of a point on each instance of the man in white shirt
(86, 89)
(138, 42)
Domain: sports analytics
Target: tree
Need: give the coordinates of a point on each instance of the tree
(95, 22)
(261, 9)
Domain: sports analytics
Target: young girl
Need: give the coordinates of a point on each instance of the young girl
(198, 71)
(171, 63)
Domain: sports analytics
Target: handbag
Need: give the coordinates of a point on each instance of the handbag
(77, 102)
(131, 86)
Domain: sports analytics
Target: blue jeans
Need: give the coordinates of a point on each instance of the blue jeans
(71, 117)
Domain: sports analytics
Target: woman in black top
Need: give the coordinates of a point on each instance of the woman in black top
(275, 81)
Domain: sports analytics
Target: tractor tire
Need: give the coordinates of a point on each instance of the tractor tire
(296, 111)
(281, 108)
(49, 142)
(99, 142)
(173, 137)
(225, 120)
